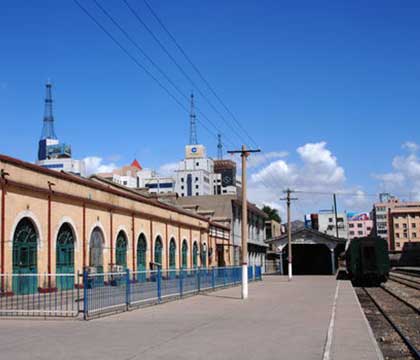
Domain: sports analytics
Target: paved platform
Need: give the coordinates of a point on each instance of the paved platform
(280, 320)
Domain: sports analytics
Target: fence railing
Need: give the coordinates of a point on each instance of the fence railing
(47, 295)
(67, 295)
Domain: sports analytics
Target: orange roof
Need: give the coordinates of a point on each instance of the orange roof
(136, 164)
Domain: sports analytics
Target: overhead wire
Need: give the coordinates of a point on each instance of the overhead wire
(176, 63)
(141, 66)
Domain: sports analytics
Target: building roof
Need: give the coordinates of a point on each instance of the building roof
(136, 164)
(309, 231)
(97, 185)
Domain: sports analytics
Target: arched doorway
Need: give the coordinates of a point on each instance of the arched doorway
(141, 253)
(64, 260)
(158, 251)
(121, 250)
(25, 240)
(195, 254)
(141, 257)
(96, 249)
(172, 254)
(184, 260)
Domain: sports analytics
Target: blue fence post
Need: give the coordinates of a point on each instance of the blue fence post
(213, 278)
(127, 288)
(180, 282)
(198, 279)
(224, 276)
(159, 284)
(85, 294)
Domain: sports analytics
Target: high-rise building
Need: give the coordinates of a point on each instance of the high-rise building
(51, 153)
(379, 214)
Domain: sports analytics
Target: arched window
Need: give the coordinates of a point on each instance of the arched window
(96, 246)
(141, 253)
(184, 254)
(158, 251)
(64, 260)
(172, 254)
(195, 254)
(121, 250)
(25, 260)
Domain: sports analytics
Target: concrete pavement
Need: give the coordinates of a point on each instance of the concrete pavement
(280, 320)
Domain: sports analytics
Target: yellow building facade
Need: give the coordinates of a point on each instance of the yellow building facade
(54, 222)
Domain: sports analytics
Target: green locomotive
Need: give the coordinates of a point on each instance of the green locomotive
(367, 260)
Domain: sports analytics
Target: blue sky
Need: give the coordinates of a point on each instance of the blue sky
(342, 73)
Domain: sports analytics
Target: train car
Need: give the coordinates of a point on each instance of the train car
(367, 260)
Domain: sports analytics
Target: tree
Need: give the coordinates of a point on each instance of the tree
(273, 214)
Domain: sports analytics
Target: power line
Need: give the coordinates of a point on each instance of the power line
(180, 68)
(197, 70)
(140, 65)
(156, 66)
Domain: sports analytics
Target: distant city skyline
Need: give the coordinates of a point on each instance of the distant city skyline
(329, 91)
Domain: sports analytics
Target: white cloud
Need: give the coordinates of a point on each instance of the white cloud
(258, 159)
(95, 164)
(318, 171)
(405, 177)
(410, 146)
(168, 169)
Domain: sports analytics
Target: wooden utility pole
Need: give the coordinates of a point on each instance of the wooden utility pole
(289, 233)
(244, 229)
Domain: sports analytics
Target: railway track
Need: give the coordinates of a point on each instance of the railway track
(403, 317)
(409, 281)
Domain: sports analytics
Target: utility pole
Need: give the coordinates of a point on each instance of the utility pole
(288, 199)
(335, 215)
(244, 230)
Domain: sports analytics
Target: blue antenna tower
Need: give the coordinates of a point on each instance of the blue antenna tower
(193, 124)
(48, 127)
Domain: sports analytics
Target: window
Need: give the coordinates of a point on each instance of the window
(196, 178)
(197, 164)
(182, 194)
(397, 226)
(182, 187)
(351, 225)
(405, 226)
(359, 225)
(398, 244)
(413, 225)
(405, 235)
(196, 186)
(351, 232)
(197, 194)
(182, 179)
(330, 219)
(414, 235)
(397, 235)
(360, 232)
(369, 228)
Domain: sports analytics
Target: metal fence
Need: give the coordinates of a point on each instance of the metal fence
(67, 295)
(45, 295)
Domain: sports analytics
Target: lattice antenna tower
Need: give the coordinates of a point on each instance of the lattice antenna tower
(48, 131)
(193, 123)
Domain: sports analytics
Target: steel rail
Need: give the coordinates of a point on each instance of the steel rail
(401, 299)
(414, 351)
(402, 281)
